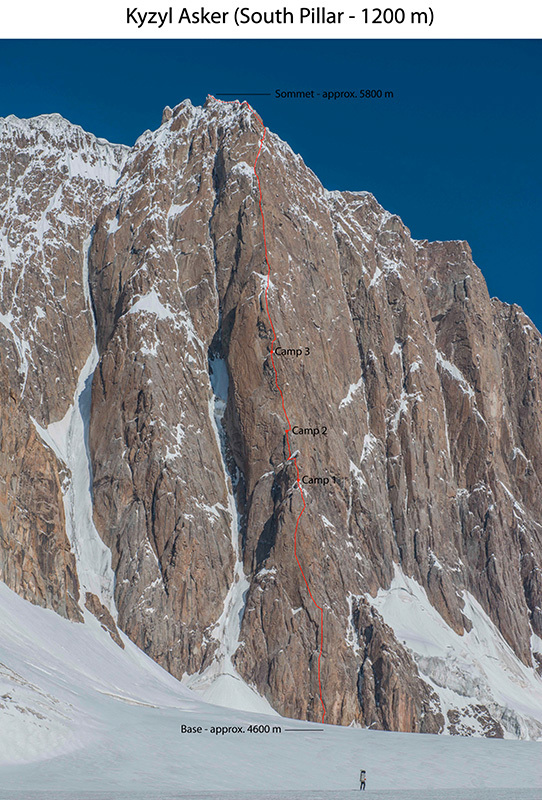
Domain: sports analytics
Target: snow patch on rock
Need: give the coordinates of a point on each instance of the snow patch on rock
(354, 387)
(150, 303)
(453, 371)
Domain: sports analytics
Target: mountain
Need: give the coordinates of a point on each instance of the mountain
(317, 488)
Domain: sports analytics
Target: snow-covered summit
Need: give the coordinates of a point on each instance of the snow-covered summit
(81, 152)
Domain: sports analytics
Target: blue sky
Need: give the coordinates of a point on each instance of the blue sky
(456, 152)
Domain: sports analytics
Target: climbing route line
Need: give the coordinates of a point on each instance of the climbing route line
(289, 428)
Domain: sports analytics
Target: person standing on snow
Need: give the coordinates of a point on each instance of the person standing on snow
(362, 780)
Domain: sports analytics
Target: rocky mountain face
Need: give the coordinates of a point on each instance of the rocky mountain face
(413, 399)
(54, 180)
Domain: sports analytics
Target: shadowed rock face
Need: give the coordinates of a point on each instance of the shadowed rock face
(418, 396)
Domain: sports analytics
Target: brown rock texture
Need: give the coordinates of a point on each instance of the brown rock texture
(480, 716)
(35, 556)
(103, 615)
(415, 410)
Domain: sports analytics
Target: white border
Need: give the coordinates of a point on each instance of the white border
(106, 19)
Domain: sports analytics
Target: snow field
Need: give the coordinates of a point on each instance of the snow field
(443, 794)
(85, 715)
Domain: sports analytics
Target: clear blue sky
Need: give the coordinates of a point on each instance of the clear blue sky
(456, 153)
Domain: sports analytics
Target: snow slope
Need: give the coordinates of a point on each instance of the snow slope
(78, 713)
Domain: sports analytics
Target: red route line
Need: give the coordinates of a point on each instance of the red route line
(289, 428)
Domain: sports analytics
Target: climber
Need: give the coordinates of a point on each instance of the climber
(362, 780)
